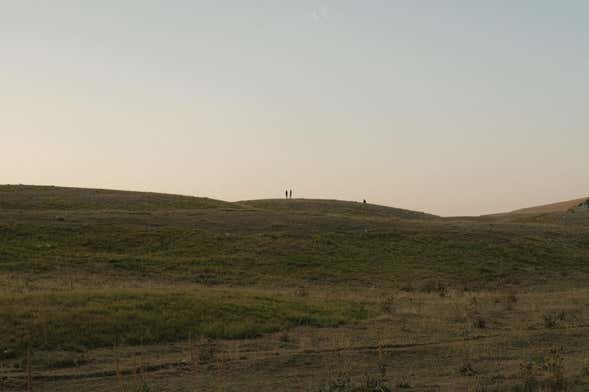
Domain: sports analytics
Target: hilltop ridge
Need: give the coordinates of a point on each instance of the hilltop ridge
(48, 197)
(335, 207)
(562, 206)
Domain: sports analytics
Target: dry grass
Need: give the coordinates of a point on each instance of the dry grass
(425, 341)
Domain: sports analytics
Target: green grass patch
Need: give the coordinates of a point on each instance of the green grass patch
(89, 319)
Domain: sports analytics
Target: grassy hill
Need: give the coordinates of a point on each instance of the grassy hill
(562, 206)
(334, 208)
(129, 235)
(31, 198)
(84, 269)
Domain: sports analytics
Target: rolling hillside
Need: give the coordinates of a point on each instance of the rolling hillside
(562, 206)
(86, 270)
(285, 242)
(335, 208)
(30, 198)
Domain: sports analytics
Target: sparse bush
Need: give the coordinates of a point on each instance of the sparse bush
(548, 375)
(143, 386)
(62, 363)
(468, 370)
(434, 286)
(7, 353)
(388, 304)
(528, 376)
(474, 314)
(479, 322)
(301, 292)
(373, 385)
(405, 324)
(343, 383)
(472, 308)
(284, 337)
(551, 320)
(510, 300)
(553, 366)
(207, 351)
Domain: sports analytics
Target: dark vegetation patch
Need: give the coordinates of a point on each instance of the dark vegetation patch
(78, 320)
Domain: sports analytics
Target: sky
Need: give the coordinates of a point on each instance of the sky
(453, 107)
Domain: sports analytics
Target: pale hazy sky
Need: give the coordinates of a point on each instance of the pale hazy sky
(450, 107)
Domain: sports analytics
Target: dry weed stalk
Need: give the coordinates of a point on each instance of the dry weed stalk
(29, 370)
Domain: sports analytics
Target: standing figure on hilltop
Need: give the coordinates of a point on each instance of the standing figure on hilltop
(286, 194)
(291, 193)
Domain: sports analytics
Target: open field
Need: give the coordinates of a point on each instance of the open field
(105, 290)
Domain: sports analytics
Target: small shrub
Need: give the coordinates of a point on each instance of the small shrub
(301, 292)
(528, 376)
(442, 291)
(284, 337)
(553, 366)
(388, 304)
(548, 375)
(373, 385)
(341, 383)
(144, 387)
(64, 363)
(479, 322)
(551, 321)
(473, 304)
(510, 300)
(207, 351)
(468, 370)
(8, 354)
(433, 286)
(405, 324)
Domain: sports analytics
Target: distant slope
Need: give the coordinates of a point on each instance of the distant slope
(562, 206)
(100, 235)
(30, 197)
(334, 207)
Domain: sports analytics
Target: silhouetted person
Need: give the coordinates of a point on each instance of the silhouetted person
(364, 201)
(286, 194)
(291, 193)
